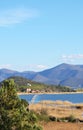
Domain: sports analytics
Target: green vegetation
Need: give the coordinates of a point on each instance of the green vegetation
(13, 111)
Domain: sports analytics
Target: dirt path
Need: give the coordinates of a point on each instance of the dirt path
(62, 126)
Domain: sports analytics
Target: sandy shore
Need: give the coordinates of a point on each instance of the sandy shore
(59, 108)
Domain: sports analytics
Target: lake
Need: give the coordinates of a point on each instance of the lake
(34, 98)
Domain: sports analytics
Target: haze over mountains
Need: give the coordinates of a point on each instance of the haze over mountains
(63, 74)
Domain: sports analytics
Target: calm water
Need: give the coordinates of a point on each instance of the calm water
(34, 98)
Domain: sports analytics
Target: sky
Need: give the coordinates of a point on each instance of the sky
(39, 34)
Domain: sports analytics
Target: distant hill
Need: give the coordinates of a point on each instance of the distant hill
(22, 84)
(20, 81)
(63, 74)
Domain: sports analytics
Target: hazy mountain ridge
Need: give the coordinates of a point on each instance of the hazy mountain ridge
(63, 74)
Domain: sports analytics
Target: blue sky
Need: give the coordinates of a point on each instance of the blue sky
(40, 34)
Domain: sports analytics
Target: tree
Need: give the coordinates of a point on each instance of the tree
(13, 113)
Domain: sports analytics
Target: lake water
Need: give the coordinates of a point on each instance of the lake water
(34, 98)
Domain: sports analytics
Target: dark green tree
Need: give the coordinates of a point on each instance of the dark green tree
(13, 113)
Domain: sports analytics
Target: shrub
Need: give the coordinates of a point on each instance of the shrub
(71, 118)
(52, 118)
(44, 111)
(37, 127)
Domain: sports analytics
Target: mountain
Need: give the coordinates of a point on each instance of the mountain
(63, 74)
(5, 73)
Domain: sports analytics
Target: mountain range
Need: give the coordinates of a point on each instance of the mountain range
(63, 74)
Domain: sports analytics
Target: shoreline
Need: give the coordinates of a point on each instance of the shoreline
(25, 93)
